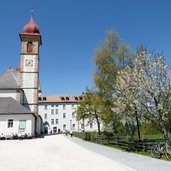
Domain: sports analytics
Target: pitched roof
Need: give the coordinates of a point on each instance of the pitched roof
(9, 79)
(60, 98)
(10, 106)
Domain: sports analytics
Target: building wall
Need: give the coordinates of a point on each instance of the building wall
(70, 120)
(29, 81)
(8, 93)
(30, 124)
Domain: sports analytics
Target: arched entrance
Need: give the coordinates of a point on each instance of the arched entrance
(46, 127)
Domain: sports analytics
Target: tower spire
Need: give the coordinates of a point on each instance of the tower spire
(32, 11)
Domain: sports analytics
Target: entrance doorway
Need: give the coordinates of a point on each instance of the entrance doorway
(55, 129)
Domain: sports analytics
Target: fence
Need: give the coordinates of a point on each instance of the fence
(123, 142)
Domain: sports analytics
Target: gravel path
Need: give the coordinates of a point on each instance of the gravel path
(54, 153)
(135, 161)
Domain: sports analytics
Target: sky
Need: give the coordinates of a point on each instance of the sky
(72, 30)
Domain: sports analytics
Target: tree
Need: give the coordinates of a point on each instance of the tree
(144, 90)
(126, 99)
(156, 90)
(90, 108)
(110, 57)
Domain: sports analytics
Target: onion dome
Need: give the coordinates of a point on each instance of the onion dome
(31, 27)
(31, 32)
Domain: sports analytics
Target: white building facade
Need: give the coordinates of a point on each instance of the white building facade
(59, 114)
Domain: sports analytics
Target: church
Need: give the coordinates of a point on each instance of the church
(19, 88)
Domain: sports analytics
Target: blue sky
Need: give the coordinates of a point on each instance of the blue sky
(72, 30)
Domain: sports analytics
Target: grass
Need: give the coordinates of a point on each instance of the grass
(121, 138)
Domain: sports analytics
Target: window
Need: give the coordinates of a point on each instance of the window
(52, 111)
(62, 98)
(73, 106)
(39, 98)
(64, 106)
(56, 121)
(73, 126)
(30, 47)
(45, 116)
(67, 98)
(10, 123)
(76, 98)
(56, 111)
(22, 124)
(52, 121)
(52, 105)
(64, 127)
(64, 115)
(45, 107)
(73, 114)
(44, 98)
(82, 126)
(56, 105)
(91, 125)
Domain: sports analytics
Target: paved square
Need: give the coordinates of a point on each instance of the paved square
(53, 153)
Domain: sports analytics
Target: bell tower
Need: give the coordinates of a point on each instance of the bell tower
(29, 64)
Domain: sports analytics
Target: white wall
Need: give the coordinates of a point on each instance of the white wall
(68, 121)
(8, 93)
(30, 121)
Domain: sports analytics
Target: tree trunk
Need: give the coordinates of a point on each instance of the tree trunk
(98, 123)
(138, 127)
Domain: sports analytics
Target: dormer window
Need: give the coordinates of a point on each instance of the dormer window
(62, 98)
(76, 98)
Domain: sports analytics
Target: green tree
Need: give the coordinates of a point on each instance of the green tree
(90, 108)
(111, 56)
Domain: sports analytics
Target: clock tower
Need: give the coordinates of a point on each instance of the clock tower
(29, 65)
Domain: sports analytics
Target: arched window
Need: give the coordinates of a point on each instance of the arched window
(30, 47)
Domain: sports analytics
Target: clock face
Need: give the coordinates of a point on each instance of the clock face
(29, 62)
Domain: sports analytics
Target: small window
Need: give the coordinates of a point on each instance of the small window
(64, 115)
(82, 126)
(44, 98)
(64, 106)
(56, 121)
(62, 98)
(52, 111)
(22, 124)
(73, 126)
(56, 111)
(45, 116)
(91, 125)
(67, 98)
(39, 98)
(73, 106)
(10, 123)
(30, 46)
(76, 98)
(52, 121)
(81, 98)
(45, 107)
(73, 114)
(52, 105)
(64, 127)
(56, 105)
